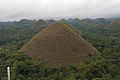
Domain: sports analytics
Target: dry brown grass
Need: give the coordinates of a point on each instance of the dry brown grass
(58, 45)
(115, 25)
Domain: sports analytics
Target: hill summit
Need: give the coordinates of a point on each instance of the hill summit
(59, 44)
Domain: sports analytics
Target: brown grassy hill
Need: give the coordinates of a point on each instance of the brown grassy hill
(57, 45)
(88, 23)
(115, 25)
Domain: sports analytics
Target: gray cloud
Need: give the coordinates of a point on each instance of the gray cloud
(46, 9)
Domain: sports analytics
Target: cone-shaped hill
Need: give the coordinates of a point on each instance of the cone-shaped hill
(115, 25)
(87, 23)
(59, 44)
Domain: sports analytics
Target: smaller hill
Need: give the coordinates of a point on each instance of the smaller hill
(87, 23)
(101, 26)
(63, 20)
(51, 21)
(75, 21)
(39, 25)
(24, 23)
(114, 25)
(11, 26)
(70, 20)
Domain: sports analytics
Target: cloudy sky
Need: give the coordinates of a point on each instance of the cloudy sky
(57, 9)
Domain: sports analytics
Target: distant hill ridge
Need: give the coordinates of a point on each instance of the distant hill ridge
(59, 45)
(39, 25)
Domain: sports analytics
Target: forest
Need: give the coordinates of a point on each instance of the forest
(13, 35)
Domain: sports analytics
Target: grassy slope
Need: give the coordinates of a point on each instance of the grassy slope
(115, 25)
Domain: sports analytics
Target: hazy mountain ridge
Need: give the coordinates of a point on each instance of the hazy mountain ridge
(17, 30)
(98, 23)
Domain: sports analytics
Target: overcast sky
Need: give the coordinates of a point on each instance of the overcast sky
(57, 9)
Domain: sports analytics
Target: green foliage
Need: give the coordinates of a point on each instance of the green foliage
(105, 67)
(23, 68)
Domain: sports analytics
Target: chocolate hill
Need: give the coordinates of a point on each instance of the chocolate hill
(87, 23)
(59, 44)
(115, 25)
